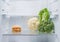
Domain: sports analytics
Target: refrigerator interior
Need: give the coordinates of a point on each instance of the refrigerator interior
(14, 10)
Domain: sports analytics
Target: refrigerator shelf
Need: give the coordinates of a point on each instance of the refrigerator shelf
(29, 38)
(28, 34)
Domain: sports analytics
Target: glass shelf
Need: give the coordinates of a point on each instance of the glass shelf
(29, 34)
(29, 37)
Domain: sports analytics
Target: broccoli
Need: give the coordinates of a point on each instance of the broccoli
(45, 23)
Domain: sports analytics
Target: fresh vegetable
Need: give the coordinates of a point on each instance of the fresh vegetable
(33, 23)
(45, 23)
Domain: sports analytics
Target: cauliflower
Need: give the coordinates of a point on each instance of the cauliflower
(33, 23)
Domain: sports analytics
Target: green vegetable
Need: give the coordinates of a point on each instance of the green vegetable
(45, 23)
(44, 15)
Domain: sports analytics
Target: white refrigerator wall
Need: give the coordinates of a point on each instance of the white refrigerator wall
(24, 8)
